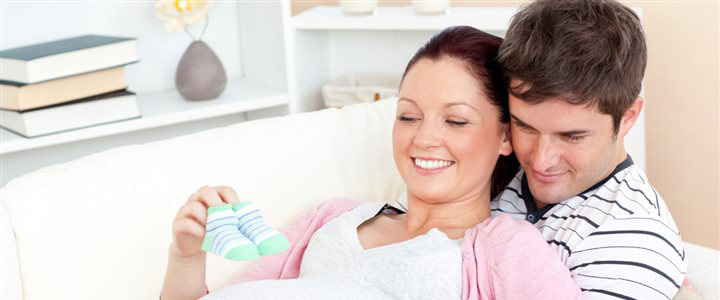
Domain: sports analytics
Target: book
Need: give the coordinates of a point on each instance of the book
(101, 109)
(66, 57)
(16, 96)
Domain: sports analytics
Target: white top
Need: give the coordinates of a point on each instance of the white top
(335, 266)
(617, 237)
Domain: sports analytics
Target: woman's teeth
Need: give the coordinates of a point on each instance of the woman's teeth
(432, 164)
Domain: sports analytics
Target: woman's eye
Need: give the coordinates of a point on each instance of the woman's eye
(406, 119)
(456, 123)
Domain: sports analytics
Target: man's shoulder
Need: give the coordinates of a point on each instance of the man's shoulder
(628, 194)
(626, 199)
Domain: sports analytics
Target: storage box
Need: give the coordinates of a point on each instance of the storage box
(359, 88)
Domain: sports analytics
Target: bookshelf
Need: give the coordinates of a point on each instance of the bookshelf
(248, 36)
(161, 109)
(325, 44)
(402, 18)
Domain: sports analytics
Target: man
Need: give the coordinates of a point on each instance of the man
(574, 69)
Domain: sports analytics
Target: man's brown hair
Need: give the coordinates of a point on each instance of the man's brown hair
(587, 52)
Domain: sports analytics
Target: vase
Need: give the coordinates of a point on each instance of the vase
(358, 7)
(430, 7)
(200, 75)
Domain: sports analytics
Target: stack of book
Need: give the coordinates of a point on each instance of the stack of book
(66, 84)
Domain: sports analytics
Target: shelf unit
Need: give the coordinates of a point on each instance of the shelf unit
(161, 109)
(402, 18)
(325, 44)
(249, 36)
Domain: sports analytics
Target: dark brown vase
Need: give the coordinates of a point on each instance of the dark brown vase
(200, 74)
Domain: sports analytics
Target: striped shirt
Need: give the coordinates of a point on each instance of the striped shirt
(617, 238)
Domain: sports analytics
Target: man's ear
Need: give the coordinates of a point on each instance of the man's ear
(630, 116)
(506, 146)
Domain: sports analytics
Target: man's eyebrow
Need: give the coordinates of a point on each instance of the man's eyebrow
(520, 121)
(566, 133)
(575, 132)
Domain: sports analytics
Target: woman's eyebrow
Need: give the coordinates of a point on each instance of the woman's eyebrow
(462, 103)
(408, 100)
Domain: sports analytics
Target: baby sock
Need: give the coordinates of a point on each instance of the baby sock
(251, 224)
(223, 238)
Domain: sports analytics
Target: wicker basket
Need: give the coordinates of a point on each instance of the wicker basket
(359, 88)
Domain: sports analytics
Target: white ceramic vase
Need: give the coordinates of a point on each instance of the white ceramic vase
(358, 7)
(430, 7)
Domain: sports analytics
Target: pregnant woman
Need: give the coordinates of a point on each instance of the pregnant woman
(451, 128)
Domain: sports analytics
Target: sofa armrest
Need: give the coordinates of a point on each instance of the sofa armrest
(10, 285)
(703, 264)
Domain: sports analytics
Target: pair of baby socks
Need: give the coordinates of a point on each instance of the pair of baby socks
(238, 232)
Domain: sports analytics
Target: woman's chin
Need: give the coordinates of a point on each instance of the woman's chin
(429, 196)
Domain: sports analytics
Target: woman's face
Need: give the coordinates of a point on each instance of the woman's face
(447, 135)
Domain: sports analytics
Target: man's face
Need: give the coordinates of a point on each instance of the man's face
(563, 148)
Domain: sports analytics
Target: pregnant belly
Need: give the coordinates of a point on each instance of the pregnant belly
(310, 288)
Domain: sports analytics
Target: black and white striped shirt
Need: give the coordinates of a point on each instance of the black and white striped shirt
(617, 238)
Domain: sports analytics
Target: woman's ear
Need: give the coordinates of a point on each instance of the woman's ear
(506, 145)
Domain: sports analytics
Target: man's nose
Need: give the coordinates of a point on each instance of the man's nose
(545, 154)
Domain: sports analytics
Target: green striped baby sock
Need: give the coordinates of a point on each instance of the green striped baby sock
(223, 238)
(251, 224)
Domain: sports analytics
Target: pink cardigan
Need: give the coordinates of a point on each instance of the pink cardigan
(503, 258)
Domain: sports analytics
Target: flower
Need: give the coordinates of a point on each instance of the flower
(178, 14)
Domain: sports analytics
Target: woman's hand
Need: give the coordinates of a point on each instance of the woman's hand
(189, 225)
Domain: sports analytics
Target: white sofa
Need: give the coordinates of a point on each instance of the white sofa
(99, 227)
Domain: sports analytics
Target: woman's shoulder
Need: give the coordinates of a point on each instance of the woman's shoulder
(504, 230)
(503, 222)
(338, 205)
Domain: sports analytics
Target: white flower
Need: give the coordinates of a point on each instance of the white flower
(178, 14)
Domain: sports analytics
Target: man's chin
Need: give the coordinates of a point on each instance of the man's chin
(547, 194)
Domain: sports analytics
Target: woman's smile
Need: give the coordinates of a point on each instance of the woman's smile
(429, 166)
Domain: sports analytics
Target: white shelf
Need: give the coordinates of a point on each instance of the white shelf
(160, 109)
(403, 18)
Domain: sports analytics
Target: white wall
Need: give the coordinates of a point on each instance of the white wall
(28, 22)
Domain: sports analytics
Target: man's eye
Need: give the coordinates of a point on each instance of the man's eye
(519, 125)
(574, 138)
(406, 119)
(456, 123)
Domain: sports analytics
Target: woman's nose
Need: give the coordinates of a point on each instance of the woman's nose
(428, 136)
